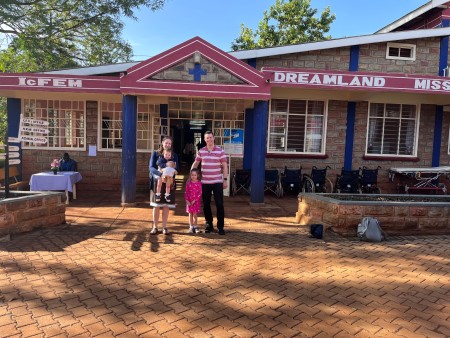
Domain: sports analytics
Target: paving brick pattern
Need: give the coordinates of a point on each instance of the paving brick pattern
(103, 275)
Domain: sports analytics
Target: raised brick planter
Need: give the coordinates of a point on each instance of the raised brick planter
(410, 215)
(26, 211)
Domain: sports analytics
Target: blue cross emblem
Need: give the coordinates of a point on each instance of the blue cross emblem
(197, 72)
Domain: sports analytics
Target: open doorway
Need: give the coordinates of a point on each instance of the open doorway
(187, 138)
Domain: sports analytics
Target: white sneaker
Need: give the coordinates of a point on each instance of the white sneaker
(191, 230)
(154, 231)
(165, 231)
(197, 230)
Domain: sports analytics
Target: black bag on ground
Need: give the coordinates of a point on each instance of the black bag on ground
(316, 230)
(369, 230)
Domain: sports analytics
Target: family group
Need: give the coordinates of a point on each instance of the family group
(201, 185)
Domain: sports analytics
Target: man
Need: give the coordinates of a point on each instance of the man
(214, 180)
(67, 164)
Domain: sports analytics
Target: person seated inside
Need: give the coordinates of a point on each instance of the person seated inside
(67, 164)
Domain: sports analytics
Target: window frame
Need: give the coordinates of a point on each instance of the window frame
(286, 132)
(60, 110)
(399, 46)
(152, 120)
(416, 130)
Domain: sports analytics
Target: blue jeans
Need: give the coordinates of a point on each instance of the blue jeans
(207, 191)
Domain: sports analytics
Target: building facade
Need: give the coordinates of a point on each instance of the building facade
(375, 100)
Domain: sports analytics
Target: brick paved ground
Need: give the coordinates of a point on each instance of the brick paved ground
(103, 275)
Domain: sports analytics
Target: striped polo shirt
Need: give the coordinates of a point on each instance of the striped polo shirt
(212, 164)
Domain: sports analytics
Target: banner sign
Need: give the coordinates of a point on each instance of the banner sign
(60, 83)
(357, 80)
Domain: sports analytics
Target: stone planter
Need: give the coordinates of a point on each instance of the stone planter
(398, 214)
(25, 211)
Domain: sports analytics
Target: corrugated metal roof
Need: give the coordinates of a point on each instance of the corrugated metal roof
(282, 50)
(96, 70)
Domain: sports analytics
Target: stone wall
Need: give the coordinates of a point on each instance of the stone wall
(27, 211)
(372, 58)
(396, 218)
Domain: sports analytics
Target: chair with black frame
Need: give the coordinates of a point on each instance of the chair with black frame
(291, 180)
(369, 180)
(317, 181)
(272, 182)
(241, 181)
(348, 182)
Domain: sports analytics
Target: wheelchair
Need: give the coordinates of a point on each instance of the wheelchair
(317, 181)
(241, 181)
(348, 182)
(291, 180)
(368, 181)
(272, 182)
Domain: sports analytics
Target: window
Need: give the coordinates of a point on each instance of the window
(398, 51)
(392, 129)
(111, 126)
(66, 123)
(296, 126)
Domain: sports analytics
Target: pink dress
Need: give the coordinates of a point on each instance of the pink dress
(193, 192)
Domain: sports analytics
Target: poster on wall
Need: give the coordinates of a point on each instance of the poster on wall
(233, 144)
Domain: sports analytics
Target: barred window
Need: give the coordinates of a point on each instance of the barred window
(392, 129)
(112, 128)
(297, 126)
(66, 123)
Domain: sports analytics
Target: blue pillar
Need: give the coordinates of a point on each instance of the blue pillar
(259, 151)
(351, 114)
(439, 115)
(349, 135)
(437, 138)
(252, 62)
(248, 139)
(13, 110)
(129, 126)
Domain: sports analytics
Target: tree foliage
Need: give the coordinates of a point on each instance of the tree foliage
(286, 22)
(37, 35)
(53, 34)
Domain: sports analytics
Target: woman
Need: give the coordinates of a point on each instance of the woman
(155, 174)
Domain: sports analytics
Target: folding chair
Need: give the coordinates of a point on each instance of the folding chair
(369, 178)
(348, 182)
(241, 181)
(272, 182)
(317, 181)
(291, 181)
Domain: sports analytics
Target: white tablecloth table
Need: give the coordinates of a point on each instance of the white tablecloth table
(64, 180)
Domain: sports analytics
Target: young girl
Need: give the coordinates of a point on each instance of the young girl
(193, 195)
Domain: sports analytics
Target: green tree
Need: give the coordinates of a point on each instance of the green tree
(58, 33)
(286, 22)
(37, 35)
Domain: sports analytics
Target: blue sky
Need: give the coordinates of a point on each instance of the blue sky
(218, 21)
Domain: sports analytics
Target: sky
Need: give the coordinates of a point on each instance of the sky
(218, 21)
